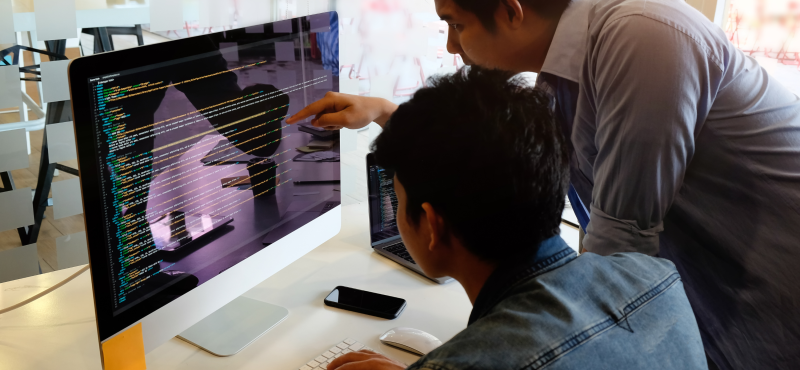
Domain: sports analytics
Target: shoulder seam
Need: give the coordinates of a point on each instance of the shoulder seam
(706, 50)
(651, 294)
(585, 336)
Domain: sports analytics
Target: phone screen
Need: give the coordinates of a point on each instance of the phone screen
(364, 300)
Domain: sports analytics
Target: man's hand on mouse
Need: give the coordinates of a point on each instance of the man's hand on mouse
(336, 111)
(365, 360)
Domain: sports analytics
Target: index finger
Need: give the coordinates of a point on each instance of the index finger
(312, 109)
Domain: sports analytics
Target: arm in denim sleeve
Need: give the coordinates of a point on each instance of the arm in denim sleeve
(645, 87)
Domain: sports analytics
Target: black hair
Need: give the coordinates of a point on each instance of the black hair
(485, 9)
(483, 149)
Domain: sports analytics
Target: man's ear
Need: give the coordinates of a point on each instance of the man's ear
(512, 13)
(435, 226)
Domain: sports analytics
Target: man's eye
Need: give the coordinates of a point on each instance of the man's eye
(455, 26)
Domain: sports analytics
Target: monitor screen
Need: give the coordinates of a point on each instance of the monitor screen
(382, 203)
(197, 169)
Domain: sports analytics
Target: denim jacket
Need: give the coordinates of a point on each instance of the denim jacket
(556, 310)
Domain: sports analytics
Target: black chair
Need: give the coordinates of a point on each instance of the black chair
(102, 36)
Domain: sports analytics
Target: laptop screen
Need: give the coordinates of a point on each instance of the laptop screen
(382, 203)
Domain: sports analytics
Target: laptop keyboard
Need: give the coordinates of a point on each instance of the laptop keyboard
(399, 250)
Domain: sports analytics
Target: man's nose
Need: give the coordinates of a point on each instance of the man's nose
(453, 44)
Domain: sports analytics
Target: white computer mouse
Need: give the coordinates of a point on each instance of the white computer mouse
(410, 339)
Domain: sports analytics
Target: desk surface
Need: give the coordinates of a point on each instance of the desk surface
(58, 331)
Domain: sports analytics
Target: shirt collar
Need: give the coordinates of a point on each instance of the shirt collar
(552, 253)
(568, 48)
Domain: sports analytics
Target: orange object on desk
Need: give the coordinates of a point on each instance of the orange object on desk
(125, 351)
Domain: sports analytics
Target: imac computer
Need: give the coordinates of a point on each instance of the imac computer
(194, 189)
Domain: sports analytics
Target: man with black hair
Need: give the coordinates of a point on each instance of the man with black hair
(487, 210)
(680, 146)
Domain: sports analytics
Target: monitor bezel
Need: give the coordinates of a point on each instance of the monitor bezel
(79, 71)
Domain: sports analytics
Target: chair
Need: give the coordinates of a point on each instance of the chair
(103, 40)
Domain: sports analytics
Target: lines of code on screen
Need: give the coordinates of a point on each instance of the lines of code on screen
(169, 211)
(388, 200)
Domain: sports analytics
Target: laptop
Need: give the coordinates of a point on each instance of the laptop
(384, 235)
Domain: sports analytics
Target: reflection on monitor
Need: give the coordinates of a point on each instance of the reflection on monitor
(195, 164)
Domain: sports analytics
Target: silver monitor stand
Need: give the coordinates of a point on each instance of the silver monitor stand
(234, 326)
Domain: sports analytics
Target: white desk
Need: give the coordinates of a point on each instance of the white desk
(58, 331)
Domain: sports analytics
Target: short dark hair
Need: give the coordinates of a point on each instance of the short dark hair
(485, 9)
(483, 149)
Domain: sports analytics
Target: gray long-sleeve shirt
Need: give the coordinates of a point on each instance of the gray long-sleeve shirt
(684, 147)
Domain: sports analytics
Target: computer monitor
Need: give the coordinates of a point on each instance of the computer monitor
(174, 237)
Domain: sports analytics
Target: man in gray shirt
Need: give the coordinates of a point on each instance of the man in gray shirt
(682, 147)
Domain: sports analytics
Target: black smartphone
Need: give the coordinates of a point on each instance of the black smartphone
(368, 303)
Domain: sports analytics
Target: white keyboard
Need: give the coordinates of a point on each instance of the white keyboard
(346, 346)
